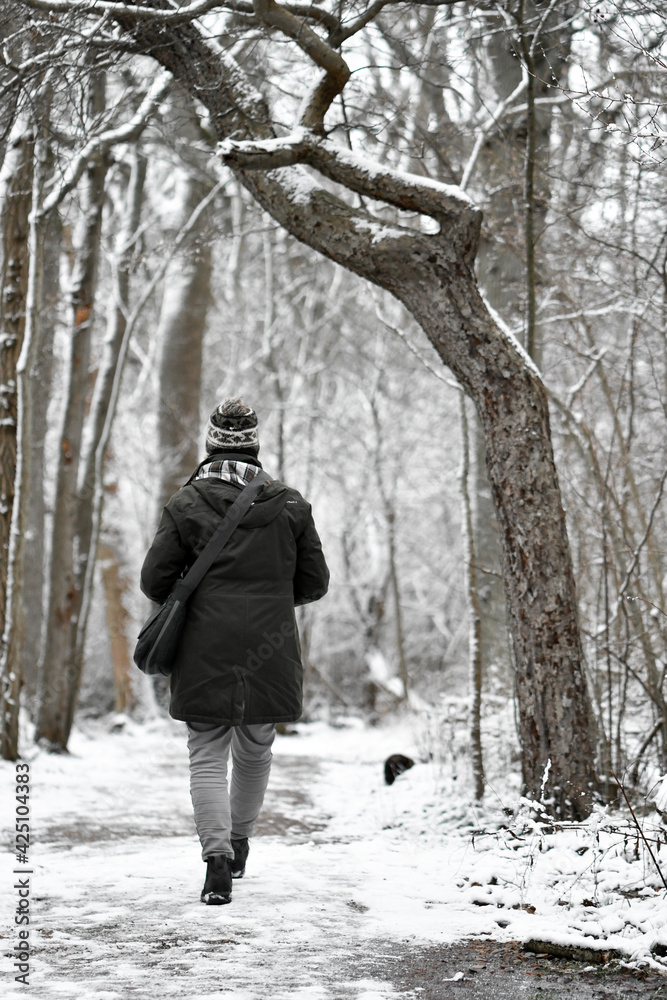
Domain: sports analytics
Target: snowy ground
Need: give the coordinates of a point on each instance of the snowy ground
(340, 863)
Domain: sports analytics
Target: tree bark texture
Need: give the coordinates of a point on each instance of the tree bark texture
(16, 200)
(181, 328)
(58, 676)
(90, 484)
(508, 267)
(13, 42)
(16, 624)
(432, 274)
(474, 614)
(41, 378)
(117, 620)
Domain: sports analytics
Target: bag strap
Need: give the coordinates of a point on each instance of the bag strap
(221, 535)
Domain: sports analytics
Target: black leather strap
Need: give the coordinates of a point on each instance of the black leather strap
(222, 533)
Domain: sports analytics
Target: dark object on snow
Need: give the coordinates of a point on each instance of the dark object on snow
(395, 765)
(218, 885)
(241, 850)
(160, 637)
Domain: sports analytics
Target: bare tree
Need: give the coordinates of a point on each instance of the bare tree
(58, 682)
(16, 191)
(432, 274)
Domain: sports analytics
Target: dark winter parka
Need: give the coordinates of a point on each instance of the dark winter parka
(239, 659)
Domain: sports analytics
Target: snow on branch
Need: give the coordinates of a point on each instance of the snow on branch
(353, 170)
(170, 15)
(127, 132)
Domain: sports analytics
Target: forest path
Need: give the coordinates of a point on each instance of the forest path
(324, 912)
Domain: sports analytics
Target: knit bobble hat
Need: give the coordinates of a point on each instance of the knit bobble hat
(232, 426)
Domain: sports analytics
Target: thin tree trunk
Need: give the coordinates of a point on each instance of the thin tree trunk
(474, 628)
(15, 203)
(59, 681)
(16, 193)
(102, 410)
(529, 200)
(390, 518)
(117, 619)
(19, 623)
(41, 378)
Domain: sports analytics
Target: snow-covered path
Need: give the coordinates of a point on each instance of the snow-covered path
(342, 867)
(115, 908)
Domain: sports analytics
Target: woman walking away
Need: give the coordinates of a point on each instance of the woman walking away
(238, 667)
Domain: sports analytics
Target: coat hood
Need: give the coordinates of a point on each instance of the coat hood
(219, 495)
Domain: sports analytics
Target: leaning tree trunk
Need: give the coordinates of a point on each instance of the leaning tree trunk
(433, 275)
(512, 170)
(58, 676)
(15, 201)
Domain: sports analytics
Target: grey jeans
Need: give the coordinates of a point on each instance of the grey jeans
(222, 812)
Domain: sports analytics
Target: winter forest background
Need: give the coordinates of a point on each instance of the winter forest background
(147, 272)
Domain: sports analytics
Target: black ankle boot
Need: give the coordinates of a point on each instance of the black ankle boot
(241, 849)
(218, 885)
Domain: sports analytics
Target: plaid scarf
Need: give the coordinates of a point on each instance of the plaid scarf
(232, 471)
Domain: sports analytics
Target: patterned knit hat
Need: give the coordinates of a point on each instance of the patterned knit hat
(231, 426)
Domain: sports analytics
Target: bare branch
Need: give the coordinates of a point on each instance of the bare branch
(636, 554)
(168, 15)
(338, 37)
(406, 191)
(336, 70)
(493, 119)
(308, 11)
(127, 132)
(344, 33)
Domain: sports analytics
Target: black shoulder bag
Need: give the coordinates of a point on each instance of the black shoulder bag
(159, 638)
